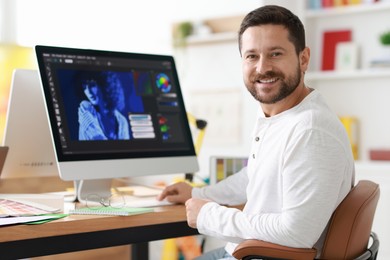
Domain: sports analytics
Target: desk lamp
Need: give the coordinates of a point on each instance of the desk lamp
(200, 125)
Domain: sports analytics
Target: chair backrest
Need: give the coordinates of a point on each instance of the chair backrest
(350, 226)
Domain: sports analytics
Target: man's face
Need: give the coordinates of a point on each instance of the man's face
(271, 68)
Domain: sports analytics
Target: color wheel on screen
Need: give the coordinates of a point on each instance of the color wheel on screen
(163, 83)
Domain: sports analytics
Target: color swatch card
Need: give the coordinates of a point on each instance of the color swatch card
(15, 208)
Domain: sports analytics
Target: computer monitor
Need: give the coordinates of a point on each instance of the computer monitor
(3, 156)
(27, 132)
(114, 114)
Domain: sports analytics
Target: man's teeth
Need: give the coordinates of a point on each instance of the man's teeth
(267, 80)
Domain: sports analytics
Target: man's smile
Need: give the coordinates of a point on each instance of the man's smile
(267, 81)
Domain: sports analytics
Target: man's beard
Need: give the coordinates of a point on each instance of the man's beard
(287, 86)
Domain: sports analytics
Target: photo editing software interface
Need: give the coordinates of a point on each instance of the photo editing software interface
(108, 105)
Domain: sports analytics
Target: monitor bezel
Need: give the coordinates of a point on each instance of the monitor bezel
(42, 50)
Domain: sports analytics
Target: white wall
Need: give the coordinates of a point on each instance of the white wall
(138, 26)
(7, 21)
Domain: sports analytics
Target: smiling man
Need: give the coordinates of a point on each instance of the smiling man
(300, 165)
(273, 68)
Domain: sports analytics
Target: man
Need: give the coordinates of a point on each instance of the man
(300, 165)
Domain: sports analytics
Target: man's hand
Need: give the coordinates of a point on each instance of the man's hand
(176, 193)
(193, 207)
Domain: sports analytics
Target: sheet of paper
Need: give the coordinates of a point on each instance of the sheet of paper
(21, 220)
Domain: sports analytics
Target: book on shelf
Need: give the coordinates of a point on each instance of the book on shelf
(330, 40)
(351, 125)
(380, 154)
(326, 4)
(380, 63)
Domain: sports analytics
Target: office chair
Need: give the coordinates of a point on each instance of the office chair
(348, 234)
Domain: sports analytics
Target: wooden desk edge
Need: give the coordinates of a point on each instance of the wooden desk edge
(75, 233)
(76, 224)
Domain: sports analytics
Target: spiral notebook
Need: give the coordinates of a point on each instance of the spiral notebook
(110, 211)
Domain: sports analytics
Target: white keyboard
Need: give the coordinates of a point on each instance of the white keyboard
(144, 202)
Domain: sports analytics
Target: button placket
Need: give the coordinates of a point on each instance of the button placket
(258, 138)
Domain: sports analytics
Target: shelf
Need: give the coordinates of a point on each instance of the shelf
(385, 165)
(344, 10)
(377, 169)
(212, 38)
(344, 75)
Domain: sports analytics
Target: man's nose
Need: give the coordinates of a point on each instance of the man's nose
(263, 65)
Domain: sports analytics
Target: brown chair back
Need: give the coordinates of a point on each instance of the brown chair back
(350, 226)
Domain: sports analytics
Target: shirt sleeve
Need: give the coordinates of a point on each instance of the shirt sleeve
(230, 191)
(312, 189)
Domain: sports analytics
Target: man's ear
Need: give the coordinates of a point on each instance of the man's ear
(304, 58)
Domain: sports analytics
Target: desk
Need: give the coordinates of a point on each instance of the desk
(78, 232)
(75, 233)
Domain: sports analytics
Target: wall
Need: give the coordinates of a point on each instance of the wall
(127, 25)
(138, 26)
(134, 26)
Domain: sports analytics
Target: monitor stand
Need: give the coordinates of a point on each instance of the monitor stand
(83, 188)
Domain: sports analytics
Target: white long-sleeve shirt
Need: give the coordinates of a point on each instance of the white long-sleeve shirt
(299, 169)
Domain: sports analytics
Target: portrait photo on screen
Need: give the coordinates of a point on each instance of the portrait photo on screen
(99, 106)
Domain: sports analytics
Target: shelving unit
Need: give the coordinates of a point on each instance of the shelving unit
(362, 93)
(363, 88)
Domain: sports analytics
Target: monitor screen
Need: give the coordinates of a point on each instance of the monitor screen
(115, 114)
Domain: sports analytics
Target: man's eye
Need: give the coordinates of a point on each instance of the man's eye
(276, 54)
(251, 57)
